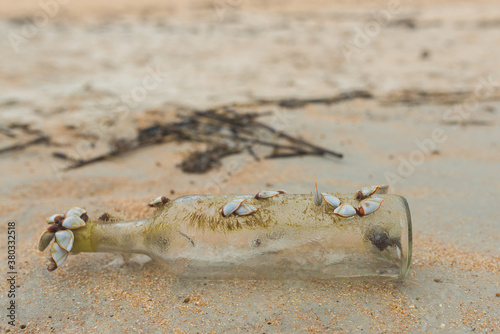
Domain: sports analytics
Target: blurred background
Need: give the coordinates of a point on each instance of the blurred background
(110, 104)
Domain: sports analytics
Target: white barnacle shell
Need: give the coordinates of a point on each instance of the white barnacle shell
(368, 191)
(245, 209)
(58, 254)
(330, 199)
(345, 211)
(45, 240)
(65, 239)
(231, 207)
(317, 198)
(158, 201)
(73, 222)
(266, 194)
(75, 212)
(52, 219)
(370, 205)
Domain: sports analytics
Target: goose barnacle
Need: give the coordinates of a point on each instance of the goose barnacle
(368, 191)
(73, 222)
(58, 254)
(345, 211)
(245, 209)
(231, 207)
(64, 239)
(264, 194)
(76, 212)
(330, 199)
(369, 205)
(54, 219)
(45, 240)
(160, 200)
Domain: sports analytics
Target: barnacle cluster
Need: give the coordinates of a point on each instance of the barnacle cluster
(60, 227)
(239, 208)
(366, 206)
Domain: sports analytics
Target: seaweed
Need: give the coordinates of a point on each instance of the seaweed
(224, 131)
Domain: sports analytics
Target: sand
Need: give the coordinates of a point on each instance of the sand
(431, 130)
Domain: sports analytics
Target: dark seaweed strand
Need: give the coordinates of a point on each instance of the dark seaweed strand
(210, 126)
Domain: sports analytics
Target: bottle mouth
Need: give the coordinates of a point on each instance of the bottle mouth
(406, 241)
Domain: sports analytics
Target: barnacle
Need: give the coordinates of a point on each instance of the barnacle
(160, 200)
(60, 230)
(330, 199)
(369, 205)
(264, 194)
(345, 211)
(231, 207)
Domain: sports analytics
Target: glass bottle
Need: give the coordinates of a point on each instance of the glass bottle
(279, 236)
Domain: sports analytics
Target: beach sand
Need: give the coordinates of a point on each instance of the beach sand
(431, 130)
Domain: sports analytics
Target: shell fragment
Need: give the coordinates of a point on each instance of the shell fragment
(65, 239)
(370, 205)
(73, 222)
(245, 209)
(231, 207)
(330, 199)
(345, 211)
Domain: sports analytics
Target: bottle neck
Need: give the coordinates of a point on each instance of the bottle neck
(123, 237)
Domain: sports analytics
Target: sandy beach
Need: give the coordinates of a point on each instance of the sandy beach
(408, 92)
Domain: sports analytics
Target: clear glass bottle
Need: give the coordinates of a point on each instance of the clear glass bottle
(287, 237)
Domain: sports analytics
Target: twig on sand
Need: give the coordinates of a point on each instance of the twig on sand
(299, 103)
(38, 140)
(317, 150)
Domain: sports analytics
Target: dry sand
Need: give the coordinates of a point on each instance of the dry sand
(423, 67)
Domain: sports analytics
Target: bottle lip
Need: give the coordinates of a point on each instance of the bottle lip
(406, 252)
